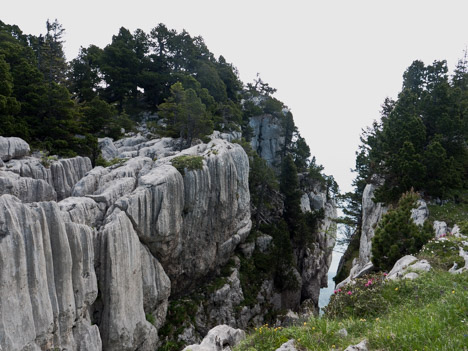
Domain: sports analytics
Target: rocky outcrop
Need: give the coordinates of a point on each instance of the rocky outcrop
(107, 255)
(420, 213)
(220, 338)
(26, 189)
(407, 267)
(61, 174)
(138, 145)
(362, 346)
(108, 149)
(372, 212)
(289, 345)
(227, 304)
(268, 139)
(13, 148)
(122, 320)
(48, 281)
(315, 259)
(463, 254)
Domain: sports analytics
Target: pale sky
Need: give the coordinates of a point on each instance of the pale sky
(332, 62)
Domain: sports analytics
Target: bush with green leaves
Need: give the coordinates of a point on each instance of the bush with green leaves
(362, 299)
(397, 235)
(189, 162)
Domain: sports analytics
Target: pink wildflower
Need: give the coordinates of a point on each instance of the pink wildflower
(349, 292)
(335, 291)
(339, 290)
(385, 274)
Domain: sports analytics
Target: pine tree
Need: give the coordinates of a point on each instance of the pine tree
(185, 116)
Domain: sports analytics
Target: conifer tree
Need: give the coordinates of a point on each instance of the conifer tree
(185, 116)
(397, 235)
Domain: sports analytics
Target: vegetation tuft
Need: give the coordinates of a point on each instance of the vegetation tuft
(187, 162)
(397, 235)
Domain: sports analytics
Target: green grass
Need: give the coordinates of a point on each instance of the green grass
(450, 213)
(429, 313)
(443, 253)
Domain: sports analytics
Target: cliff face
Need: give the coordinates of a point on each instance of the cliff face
(229, 300)
(372, 213)
(268, 138)
(315, 258)
(91, 257)
(88, 272)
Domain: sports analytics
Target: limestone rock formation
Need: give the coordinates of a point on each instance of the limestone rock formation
(61, 174)
(371, 214)
(48, 279)
(26, 189)
(408, 263)
(13, 148)
(420, 213)
(221, 337)
(95, 270)
(268, 138)
(288, 346)
(316, 259)
(362, 346)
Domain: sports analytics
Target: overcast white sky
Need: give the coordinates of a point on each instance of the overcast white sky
(332, 62)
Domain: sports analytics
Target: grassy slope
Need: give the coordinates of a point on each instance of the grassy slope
(429, 313)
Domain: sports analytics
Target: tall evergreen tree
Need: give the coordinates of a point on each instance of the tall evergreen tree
(185, 115)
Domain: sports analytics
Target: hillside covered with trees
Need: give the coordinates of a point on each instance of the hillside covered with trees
(419, 144)
(63, 107)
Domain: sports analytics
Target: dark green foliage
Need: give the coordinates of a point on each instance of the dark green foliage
(187, 162)
(9, 106)
(262, 183)
(84, 75)
(289, 187)
(397, 235)
(150, 318)
(283, 254)
(420, 141)
(179, 313)
(102, 119)
(209, 79)
(50, 55)
(120, 67)
(301, 152)
(184, 115)
(277, 263)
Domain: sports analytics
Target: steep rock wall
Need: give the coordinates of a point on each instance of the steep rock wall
(229, 303)
(372, 213)
(101, 255)
(48, 280)
(268, 138)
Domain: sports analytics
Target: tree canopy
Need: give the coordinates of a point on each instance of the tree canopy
(420, 140)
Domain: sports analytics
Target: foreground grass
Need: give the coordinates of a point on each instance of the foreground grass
(430, 313)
